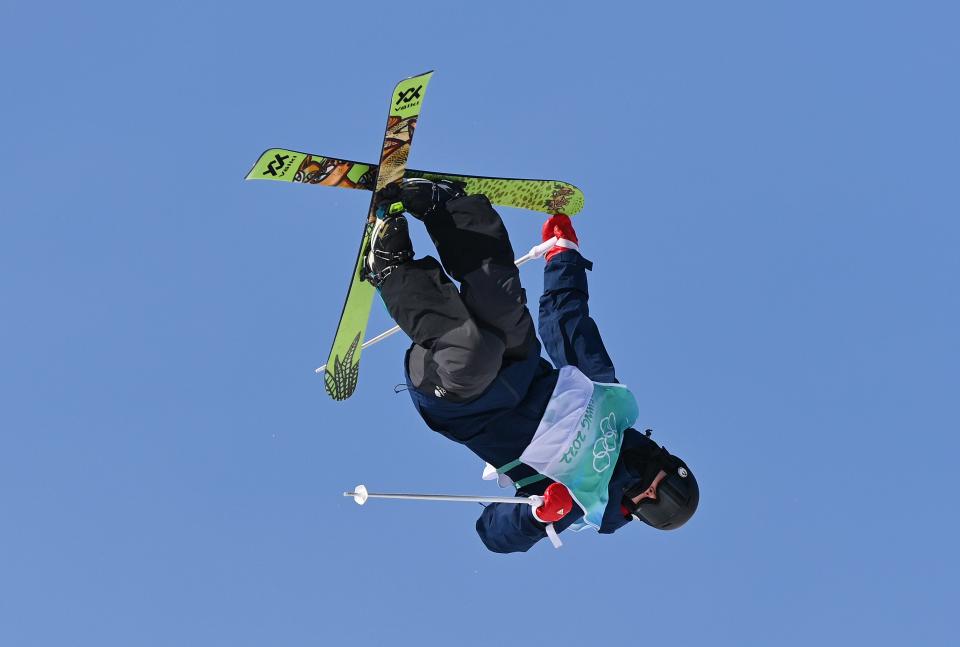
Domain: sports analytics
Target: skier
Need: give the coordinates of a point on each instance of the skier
(475, 373)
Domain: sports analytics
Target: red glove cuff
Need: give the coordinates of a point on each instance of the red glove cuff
(559, 226)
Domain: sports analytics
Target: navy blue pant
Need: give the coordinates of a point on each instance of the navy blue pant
(569, 334)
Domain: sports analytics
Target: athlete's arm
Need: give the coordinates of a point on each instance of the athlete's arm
(569, 333)
(508, 528)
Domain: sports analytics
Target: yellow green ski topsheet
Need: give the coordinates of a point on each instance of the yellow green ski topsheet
(343, 365)
(548, 196)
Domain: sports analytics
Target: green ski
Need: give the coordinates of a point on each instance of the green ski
(343, 365)
(548, 196)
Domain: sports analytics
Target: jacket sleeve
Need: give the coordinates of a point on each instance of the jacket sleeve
(508, 528)
(568, 332)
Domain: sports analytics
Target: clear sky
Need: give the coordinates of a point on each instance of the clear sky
(771, 203)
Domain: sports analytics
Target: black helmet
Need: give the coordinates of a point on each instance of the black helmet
(668, 488)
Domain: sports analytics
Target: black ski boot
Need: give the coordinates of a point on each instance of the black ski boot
(389, 248)
(423, 198)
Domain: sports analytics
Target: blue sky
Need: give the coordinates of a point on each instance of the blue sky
(771, 204)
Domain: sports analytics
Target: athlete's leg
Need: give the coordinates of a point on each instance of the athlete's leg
(452, 357)
(475, 249)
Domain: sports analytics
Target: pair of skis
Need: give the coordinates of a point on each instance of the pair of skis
(342, 371)
(284, 165)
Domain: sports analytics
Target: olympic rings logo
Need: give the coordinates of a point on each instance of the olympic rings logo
(606, 444)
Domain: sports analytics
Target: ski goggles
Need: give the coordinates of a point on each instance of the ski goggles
(633, 502)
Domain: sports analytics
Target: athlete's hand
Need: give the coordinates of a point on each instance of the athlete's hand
(557, 503)
(559, 225)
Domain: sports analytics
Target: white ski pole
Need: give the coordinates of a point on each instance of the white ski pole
(360, 495)
(535, 252)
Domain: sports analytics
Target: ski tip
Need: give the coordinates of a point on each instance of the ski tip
(250, 174)
(423, 79)
(262, 163)
(566, 199)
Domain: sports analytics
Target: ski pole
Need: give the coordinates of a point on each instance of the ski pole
(535, 252)
(360, 495)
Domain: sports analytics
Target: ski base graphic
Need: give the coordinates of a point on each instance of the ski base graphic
(546, 196)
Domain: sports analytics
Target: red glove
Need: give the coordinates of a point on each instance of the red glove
(557, 502)
(559, 225)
